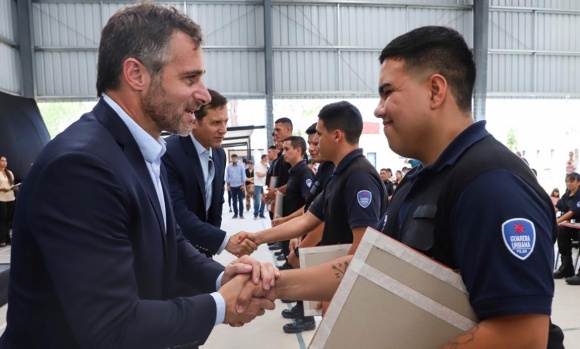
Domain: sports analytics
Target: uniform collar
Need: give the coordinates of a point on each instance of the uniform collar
(297, 167)
(343, 164)
(458, 146)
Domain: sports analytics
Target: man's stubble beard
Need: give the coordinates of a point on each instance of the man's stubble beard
(163, 113)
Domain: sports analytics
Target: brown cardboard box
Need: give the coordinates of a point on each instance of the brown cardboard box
(393, 297)
(310, 256)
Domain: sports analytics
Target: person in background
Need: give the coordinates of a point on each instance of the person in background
(386, 174)
(312, 166)
(398, 178)
(236, 182)
(569, 206)
(249, 183)
(261, 171)
(570, 163)
(7, 199)
(555, 196)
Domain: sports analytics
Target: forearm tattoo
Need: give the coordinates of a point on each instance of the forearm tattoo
(340, 269)
(459, 342)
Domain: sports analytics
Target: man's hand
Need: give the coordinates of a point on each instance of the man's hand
(259, 271)
(278, 221)
(254, 237)
(293, 243)
(240, 247)
(228, 186)
(271, 195)
(293, 260)
(254, 300)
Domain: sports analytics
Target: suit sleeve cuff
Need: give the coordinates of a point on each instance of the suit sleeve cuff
(220, 304)
(224, 243)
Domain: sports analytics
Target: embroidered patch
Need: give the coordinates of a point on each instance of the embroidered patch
(519, 236)
(309, 182)
(364, 198)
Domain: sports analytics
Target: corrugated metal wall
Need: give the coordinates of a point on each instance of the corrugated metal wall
(534, 49)
(321, 48)
(234, 46)
(10, 71)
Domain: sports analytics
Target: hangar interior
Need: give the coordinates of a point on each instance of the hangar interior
(296, 49)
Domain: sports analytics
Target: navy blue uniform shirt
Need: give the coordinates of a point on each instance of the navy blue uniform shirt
(569, 203)
(499, 282)
(359, 215)
(300, 179)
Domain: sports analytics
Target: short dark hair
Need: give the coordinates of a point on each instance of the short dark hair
(272, 147)
(573, 175)
(264, 156)
(297, 142)
(345, 117)
(234, 156)
(285, 121)
(218, 101)
(385, 169)
(143, 32)
(311, 129)
(441, 50)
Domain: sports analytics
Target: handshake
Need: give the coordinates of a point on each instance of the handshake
(242, 244)
(248, 289)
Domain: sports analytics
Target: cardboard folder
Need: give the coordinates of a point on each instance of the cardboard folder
(310, 256)
(279, 205)
(393, 297)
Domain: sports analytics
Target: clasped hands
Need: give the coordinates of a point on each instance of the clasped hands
(240, 246)
(248, 289)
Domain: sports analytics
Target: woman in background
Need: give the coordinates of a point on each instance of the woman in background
(555, 196)
(7, 199)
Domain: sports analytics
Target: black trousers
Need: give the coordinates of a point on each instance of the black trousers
(6, 213)
(565, 237)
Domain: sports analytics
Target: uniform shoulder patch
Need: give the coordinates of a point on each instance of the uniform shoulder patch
(309, 182)
(364, 198)
(519, 236)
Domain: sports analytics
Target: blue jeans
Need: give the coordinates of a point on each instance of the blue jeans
(238, 196)
(258, 203)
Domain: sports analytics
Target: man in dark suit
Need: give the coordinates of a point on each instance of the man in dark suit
(96, 253)
(196, 174)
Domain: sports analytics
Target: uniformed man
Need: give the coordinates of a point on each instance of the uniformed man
(488, 196)
(355, 196)
(325, 169)
(569, 205)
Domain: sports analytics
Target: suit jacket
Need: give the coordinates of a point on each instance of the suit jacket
(187, 188)
(92, 264)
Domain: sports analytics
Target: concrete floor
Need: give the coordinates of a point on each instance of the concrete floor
(266, 331)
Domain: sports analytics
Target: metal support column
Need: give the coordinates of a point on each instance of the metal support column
(268, 59)
(26, 48)
(480, 47)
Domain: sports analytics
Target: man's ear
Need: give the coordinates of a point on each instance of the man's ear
(136, 75)
(438, 86)
(337, 134)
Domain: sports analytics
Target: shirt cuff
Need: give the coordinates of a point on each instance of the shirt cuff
(224, 244)
(220, 304)
(218, 282)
